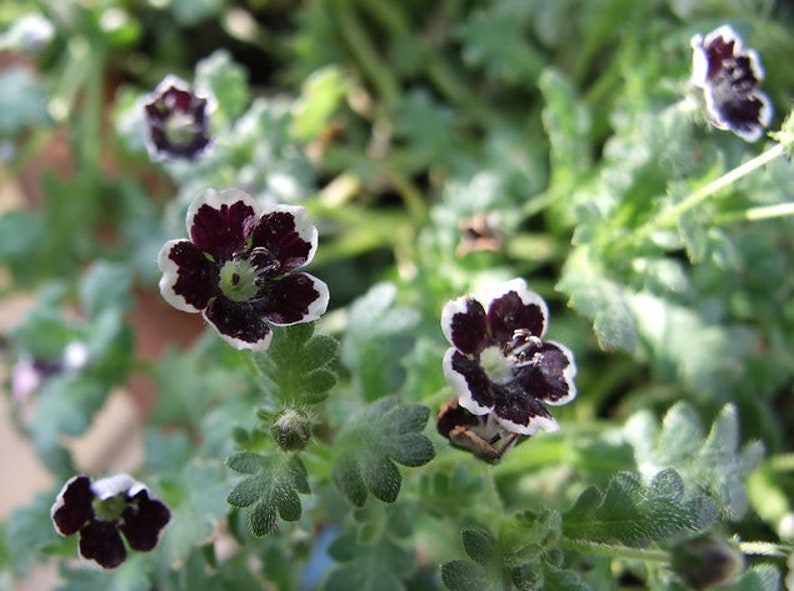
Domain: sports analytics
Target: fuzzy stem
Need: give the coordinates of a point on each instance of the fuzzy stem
(670, 216)
(611, 551)
(754, 214)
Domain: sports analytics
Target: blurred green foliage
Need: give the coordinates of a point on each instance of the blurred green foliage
(566, 132)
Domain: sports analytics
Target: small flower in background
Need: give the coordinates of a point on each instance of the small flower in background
(480, 232)
(237, 268)
(177, 121)
(729, 77)
(104, 510)
(29, 373)
(499, 365)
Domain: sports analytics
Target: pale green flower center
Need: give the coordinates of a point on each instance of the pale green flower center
(238, 280)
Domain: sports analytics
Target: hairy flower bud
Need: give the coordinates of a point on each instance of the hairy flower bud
(291, 430)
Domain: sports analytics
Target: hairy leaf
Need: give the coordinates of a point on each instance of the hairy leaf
(632, 514)
(296, 364)
(383, 433)
(271, 490)
(713, 464)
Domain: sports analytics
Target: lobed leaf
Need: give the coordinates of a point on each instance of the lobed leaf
(385, 432)
(632, 514)
(271, 491)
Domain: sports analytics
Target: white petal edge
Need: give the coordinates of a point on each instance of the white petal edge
(460, 387)
(451, 309)
(568, 374)
(536, 424)
(215, 199)
(114, 485)
(239, 344)
(305, 228)
(170, 272)
(317, 308)
(527, 296)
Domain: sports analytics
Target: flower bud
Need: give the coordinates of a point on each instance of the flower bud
(291, 430)
(706, 561)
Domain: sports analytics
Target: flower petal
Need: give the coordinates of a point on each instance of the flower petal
(117, 484)
(746, 116)
(464, 324)
(217, 222)
(189, 279)
(238, 324)
(514, 306)
(142, 521)
(101, 541)
(520, 413)
(551, 378)
(298, 297)
(287, 234)
(469, 382)
(74, 506)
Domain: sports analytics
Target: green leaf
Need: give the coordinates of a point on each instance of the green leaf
(567, 122)
(23, 102)
(297, 363)
(105, 286)
(383, 433)
(321, 94)
(375, 561)
(377, 338)
(763, 577)
(691, 350)
(272, 489)
(462, 575)
(481, 546)
(601, 300)
(632, 514)
(228, 82)
(713, 464)
(134, 574)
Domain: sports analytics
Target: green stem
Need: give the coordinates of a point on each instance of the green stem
(625, 552)
(365, 53)
(670, 216)
(781, 463)
(755, 214)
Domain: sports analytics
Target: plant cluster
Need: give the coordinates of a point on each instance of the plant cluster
(371, 211)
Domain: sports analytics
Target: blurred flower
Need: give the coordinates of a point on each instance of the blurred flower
(29, 373)
(499, 364)
(30, 32)
(237, 268)
(104, 510)
(479, 232)
(177, 120)
(729, 77)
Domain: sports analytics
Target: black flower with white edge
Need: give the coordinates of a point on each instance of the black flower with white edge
(102, 511)
(729, 77)
(177, 121)
(499, 363)
(238, 268)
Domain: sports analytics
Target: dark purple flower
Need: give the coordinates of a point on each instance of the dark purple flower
(729, 77)
(104, 510)
(238, 267)
(177, 121)
(500, 365)
(30, 373)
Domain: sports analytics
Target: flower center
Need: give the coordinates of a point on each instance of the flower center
(180, 128)
(110, 509)
(238, 280)
(522, 350)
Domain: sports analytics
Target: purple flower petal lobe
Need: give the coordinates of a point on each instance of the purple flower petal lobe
(73, 506)
(239, 324)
